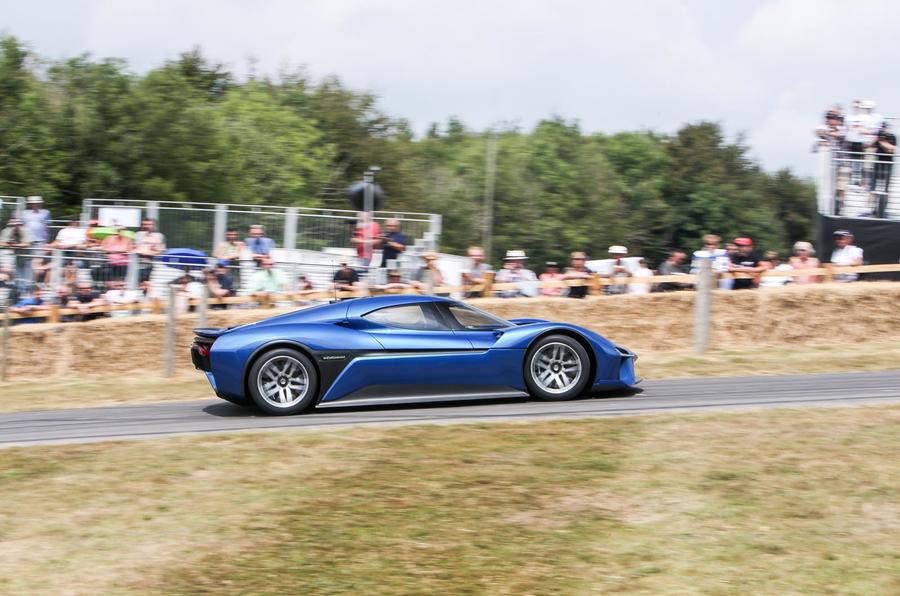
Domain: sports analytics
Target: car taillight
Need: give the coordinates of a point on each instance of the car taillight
(204, 351)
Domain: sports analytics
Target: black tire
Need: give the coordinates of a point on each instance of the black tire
(293, 362)
(573, 351)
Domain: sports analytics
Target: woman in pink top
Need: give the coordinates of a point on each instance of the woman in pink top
(117, 248)
(803, 259)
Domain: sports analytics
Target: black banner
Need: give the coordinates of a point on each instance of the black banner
(879, 239)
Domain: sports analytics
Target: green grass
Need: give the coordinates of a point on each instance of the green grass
(788, 501)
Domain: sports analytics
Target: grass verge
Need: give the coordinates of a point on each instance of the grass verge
(127, 389)
(793, 501)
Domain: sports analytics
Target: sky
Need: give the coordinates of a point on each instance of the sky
(764, 69)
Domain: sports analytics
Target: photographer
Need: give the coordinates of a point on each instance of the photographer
(392, 242)
(885, 147)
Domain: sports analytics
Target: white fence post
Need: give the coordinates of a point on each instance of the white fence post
(220, 225)
(4, 337)
(702, 306)
(169, 343)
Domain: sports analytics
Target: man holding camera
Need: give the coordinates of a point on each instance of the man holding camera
(392, 242)
(885, 147)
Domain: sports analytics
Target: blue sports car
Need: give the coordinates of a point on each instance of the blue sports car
(402, 349)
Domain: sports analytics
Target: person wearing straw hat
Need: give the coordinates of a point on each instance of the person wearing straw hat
(429, 275)
(514, 272)
(36, 220)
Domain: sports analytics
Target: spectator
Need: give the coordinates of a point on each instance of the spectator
(854, 140)
(578, 270)
(92, 240)
(84, 299)
(746, 261)
(28, 303)
(718, 256)
(117, 246)
(117, 295)
(71, 237)
(70, 273)
(803, 259)
(61, 296)
(642, 272)
(846, 255)
(392, 242)
(365, 237)
(672, 266)
(514, 272)
(345, 278)
(727, 283)
(230, 249)
(148, 244)
(474, 274)
(551, 273)
(305, 287)
(41, 266)
(619, 271)
(395, 282)
(14, 235)
(885, 147)
(8, 292)
(429, 276)
(259, 245)
(832, 133)
(266, 281)
(218, 284)
(36, 219)
(771, 263)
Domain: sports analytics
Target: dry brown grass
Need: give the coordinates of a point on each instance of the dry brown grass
(802, 501)
(857, 314)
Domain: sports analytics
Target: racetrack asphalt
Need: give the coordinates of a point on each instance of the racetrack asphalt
(653, 397)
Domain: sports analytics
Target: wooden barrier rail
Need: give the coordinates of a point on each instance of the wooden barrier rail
(596, 283)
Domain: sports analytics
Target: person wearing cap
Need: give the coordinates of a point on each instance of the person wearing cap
(746, 261)
(36, 220)
(514, 271)
(476, 270)
(551, 274)
(846, 255)
(428, 276)
(619, 270)
(578, 270)
(803, 259)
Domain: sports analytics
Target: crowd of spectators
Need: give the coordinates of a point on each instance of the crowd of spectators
(863, 147)
(96, 260)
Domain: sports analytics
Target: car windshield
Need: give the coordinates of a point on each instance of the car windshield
(472, 318)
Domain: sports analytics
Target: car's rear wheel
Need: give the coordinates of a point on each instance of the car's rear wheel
(283, 381)
(557, 367)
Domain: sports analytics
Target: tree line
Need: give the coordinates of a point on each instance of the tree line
(190, 131)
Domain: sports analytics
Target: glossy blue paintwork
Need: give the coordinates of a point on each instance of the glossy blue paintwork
(485, 361)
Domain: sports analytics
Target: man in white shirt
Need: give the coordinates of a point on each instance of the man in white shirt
(718, 256)
(856, 123)
(36, 220)
(71, 237)
(846, 255)
(514, 272)
(642, 271)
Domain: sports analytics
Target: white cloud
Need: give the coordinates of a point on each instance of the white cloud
(767, 69)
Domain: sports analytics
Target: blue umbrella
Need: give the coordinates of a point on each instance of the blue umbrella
(184, 257)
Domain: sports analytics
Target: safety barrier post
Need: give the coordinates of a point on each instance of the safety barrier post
(488, 284)
(596, 287)
(703, 306)
(169, 343)
(4, 338)
(219, 225)
(202, 306)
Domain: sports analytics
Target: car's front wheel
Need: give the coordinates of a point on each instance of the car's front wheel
(282, 382)
(557, 367)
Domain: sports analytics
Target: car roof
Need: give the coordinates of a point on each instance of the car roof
(360, 306)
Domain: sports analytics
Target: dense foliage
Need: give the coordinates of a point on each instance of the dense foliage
(189, 131)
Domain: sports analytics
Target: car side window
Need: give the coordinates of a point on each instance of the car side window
(471, 319)
(407, 316)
